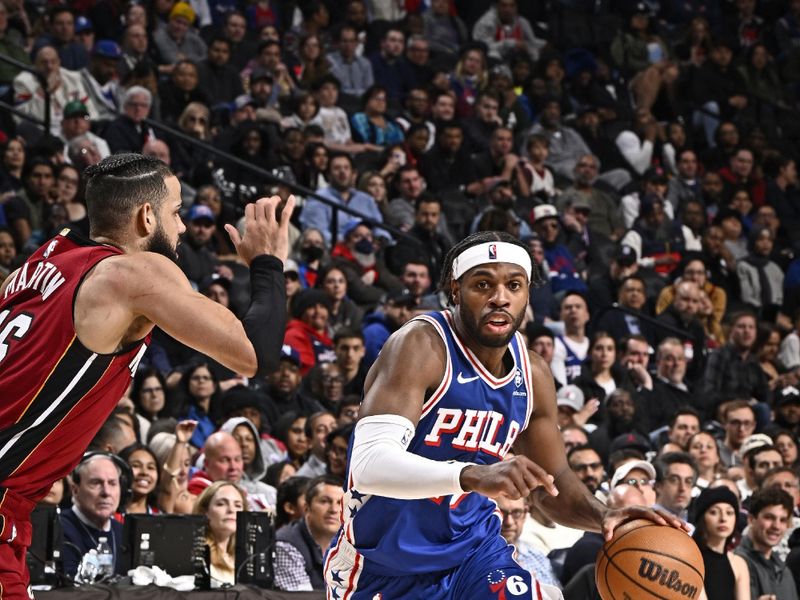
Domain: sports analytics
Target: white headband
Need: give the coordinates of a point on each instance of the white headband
(489, 253)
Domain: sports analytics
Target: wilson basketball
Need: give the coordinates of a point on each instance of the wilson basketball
(647, 561)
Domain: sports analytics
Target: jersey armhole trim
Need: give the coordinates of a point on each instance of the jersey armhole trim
(444, 384)
(527, 375)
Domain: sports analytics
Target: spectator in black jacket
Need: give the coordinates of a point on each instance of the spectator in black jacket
(218, 79)
(682, 315)
(127, 133)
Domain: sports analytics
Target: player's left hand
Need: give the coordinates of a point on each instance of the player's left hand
(617, 516)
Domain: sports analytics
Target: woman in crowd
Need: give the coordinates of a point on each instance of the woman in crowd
(768, 343)
(598, 378)
(174, 457)
(290, 430)
(149, 398)
(8, 253)
(304, 108)
(344, 313)
(761, 279)
(316, 166)
(312, 63)
(220, 502)
(68, 189)
(144, 466)
(469, 77)
(727, 576)
(199, 386)
(13, 163)
(786, 443)
(372, 125)
(703, 448)
(193, 164)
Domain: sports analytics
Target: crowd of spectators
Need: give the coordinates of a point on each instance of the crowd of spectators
(645, 152)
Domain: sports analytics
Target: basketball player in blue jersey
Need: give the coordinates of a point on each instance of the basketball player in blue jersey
(449, 397)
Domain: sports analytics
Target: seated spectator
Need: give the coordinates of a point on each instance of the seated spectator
(181, 89)
(761, 279)
(178, 40)
(254, 463)
(240, 401)
(469, 77)
(340, 175)
(336, 445)
(564, 273)
(566, 144)
(644, 59)
(291, 500)
(632, 296)
(76, 123)
(740, 174)
(528, 556)
(702, 447)
(372, 125)
(199, 386)
(220, 502)
(60, 22)
(586, 463)
(223, 462)
(344, 313)
(95, 488)
(682, 315)
(357, 256)
(317, 428)
(676, 475)
(300, 544)
(196, 257)
(173, 453)
(282, 387)
(768, 518)
(759, 457)
(445, 31)
(289, 429)
(128, 133)
(354, 72)
(378, 326)
(66, 87)
(505, 32)
(145, 483)
(715, 514)
(307, 332)
(620, 422)
(658, 244)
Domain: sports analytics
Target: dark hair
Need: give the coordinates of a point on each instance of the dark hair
(343, 431)
(347, 333)
(138, 382)
(581, 448)
(334, 155)
(664, 461)
(770, 497)
(537, 138)
(370, 92)
(777, 470)
(314, 486)
(309, 428)
(740, 314)
(686, 410)
(475, 239)
(219, 38)
(125, 455)
(120, 184)
(349, 400)
(280, 428)
(750, 455)
(626, 339)
(109, 430)
(426, 197)
(634, 277)
(289, 491)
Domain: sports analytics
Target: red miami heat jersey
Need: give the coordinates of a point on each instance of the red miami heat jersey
(55, 394)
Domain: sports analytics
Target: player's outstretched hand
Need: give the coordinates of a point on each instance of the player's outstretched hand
(617, 516)
(264, 233)
(516, 478)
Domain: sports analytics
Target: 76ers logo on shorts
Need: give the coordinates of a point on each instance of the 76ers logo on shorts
(492, 251)
(499, 584)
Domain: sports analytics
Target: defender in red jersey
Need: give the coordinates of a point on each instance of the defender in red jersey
(76, 318)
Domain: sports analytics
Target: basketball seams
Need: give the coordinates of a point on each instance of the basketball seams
(664, 554)
(636, 583)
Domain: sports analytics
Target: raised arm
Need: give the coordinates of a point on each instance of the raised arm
(130, 293)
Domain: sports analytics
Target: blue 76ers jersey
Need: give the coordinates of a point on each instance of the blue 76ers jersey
(471, 417)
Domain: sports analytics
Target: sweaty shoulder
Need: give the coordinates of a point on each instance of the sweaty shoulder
(410, 366)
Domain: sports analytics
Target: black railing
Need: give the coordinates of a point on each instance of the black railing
(42, 82)
(272, 178)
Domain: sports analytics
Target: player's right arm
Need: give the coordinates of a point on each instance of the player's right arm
(124, 296)
(411, 366)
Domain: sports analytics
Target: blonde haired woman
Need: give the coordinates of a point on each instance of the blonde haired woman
(220, 502)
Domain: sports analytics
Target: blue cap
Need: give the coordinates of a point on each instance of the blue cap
(200, 211)
(83, 24)
(290, 354)
(107, 49)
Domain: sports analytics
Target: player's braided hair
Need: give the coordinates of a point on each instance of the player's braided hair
(119, 184)
(537, 278)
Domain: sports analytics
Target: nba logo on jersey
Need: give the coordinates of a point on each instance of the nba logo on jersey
(492, 252)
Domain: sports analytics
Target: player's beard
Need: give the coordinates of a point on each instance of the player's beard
(160, 244)
(473, 327)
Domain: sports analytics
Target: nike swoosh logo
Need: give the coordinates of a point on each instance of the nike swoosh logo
(462, 379)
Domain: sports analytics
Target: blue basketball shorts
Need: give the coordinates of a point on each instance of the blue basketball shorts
(488, 572)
